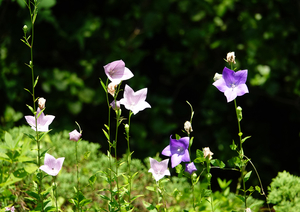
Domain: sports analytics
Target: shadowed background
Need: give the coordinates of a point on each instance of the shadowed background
(173, 48)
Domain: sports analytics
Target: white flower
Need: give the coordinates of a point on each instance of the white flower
(111, 88)
(248, 210)
(217, 76)
(159, 169)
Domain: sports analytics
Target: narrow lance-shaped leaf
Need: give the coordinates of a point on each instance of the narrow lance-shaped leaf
(36, 81)
(247, 176)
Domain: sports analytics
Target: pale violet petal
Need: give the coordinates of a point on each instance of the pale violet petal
(230, 94)
(241, 77)
(166, 151)
(221, 85)
(241, 89)
(176, 160)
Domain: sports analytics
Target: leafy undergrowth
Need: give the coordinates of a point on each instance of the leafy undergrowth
(93, 166)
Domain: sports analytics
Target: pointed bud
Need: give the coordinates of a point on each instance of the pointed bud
(126, 129)
(239, 113)
(111, 88)
(231, 58)
(188, 127)
(25, 29)
(207, 153)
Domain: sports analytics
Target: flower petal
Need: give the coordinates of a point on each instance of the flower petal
(176, 160)
(186, 156)
(166, 151)
(230, 94)
(241, 89)
(241, 77)
(228, 76)
(221, 85)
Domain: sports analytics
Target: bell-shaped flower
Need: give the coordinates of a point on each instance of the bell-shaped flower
(51, 165)
(115, 105)
(134, 101)
(43, 121)
(178, 151)
(232, 83)
(117, 72)
(190, 167)
(74, 135)
(159, 169)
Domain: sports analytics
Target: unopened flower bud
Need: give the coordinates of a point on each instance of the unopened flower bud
(126, 129)
(111, 88)
(248, 210)
(239, 113)
(217, 76)
(41, 103)
(25, 29)
(207, 153)
(188, 127)
(230, 57)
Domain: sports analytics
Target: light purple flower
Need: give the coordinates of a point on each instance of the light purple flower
(117, 72)
(178, 151)
(43, 121)
(12, 208)
(51, 165)
(159, 169)
(190, 168)
(74, 135)
(135, 101)
(232, 83)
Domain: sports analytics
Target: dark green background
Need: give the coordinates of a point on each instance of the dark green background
(174, 48)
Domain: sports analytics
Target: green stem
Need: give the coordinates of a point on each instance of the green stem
(55, 188)
(129, 156)
(77, 175)
(117, 165)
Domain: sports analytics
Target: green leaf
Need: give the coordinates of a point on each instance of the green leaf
(92, 180)
(103, 85)
(31, 109)
(244, 139)
(150, 188)
(26, 88)
(257, 188)
(247, 176)
(85, 202)
(149, 206)
(9, 141)
(241, 198)
(36, 81)
(30, 168)
(106, 135)
(33, 194)
(104, 197)
(30, 136)
(216, 162)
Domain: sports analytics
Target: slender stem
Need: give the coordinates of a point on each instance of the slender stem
(109, 142)
(55, 188)
(77, 175)
(129, 156)
(117, 165)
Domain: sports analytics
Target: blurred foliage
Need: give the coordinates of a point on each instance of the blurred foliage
(174, 48)
(284, 192)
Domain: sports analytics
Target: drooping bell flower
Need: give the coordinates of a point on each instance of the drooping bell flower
(232, 84)
(178, 151)
(134, 101)
(43, 121)
(190, 167)
(51, 165)
(117, 72)
(159, 169)
(74, 135)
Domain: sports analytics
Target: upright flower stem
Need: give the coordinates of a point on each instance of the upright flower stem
(109, 141)
(117, 165)
(55, 189)
(129, 156)
(33, 15)
(77, 175)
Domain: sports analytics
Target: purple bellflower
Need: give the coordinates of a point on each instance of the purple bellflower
(43, 121)
(232, 83)
(74, 135)
(51, 165)
(12, 208)
(190, 168)
(178, 151)
(134, 101)
(117, 72)
(159, 169)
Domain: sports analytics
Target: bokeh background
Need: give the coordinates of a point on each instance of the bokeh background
(174, 48)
